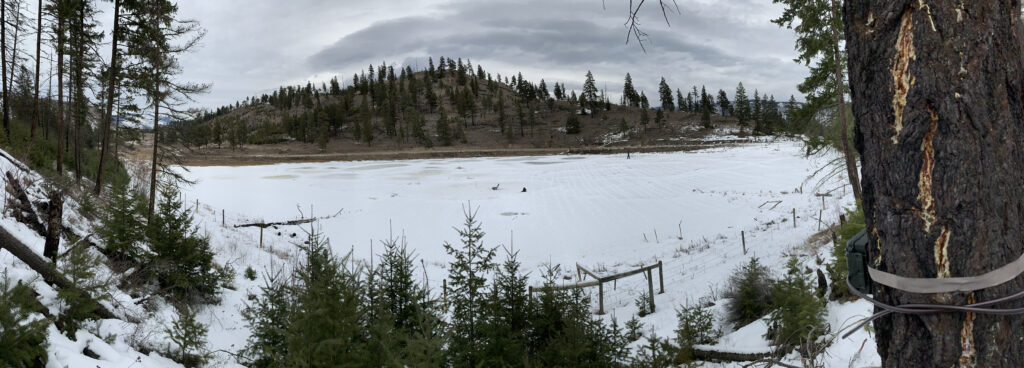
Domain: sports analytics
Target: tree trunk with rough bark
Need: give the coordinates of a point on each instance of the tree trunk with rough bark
(938, 96)
(111, 88)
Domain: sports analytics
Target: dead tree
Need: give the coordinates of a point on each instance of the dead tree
(938, 94)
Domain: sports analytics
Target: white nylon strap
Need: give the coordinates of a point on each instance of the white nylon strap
(951, 284)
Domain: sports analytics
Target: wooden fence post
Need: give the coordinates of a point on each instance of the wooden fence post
(650, 288)
(222, 217)
(743, 238)
(261, 238)
(819, 219)
(794, 218)
(661, 278)
(600, 298)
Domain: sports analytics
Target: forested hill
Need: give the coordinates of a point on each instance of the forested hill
(453, 104)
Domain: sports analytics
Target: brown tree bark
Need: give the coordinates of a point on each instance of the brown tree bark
(111, 87)
(156, 145)
(35, 104)
(3, 68)
(54, 224)
(844, 125)
(60, 91)
(938, 95)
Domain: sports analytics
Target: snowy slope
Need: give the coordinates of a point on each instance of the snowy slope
(607, 213)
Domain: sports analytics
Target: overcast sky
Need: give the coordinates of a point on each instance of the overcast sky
(254, 46)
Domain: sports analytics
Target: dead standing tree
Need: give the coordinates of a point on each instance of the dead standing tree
(938, 93)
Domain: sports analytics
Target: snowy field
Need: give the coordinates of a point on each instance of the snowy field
(604, 212)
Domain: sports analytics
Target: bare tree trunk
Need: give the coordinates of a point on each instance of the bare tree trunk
(938, 92)
(81, 102)
(156, 145)
(14, 48)
(35, 104)
(3, 68)
(60, 92)
(110, 97)
(54, 224)
(844, 126)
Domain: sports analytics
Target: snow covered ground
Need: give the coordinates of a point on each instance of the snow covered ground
(606, 213)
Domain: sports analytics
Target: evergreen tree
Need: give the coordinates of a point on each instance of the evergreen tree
(268, 316)
(705, 109)
(189, 336)
(643, 101)
(666, 96)
(444, 131)
(508, 327)
(798, 313)
(723, 104)
(742, 106)
(22, 327)
(629, 94)
(121, 228)
(644, 119)
(590, 92)
(181, 260)
(572, 124)
(324, 328)
(757, 114)
(680, 101)
(659, 118)
(467, 282)
(791, 115)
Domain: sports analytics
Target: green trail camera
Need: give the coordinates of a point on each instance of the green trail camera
(857, 262)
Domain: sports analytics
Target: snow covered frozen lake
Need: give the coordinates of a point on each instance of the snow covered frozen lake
(604, 212)
(576, 208)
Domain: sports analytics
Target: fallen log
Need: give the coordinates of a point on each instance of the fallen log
(23, 210)
(725, 356)
(47, 270)
(264, 225)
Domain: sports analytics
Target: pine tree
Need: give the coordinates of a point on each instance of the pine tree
(189, 336)
(723, 104)
(467, 282)
(705, 109)
(572, 124)
(324, 328)
(666, 96)
(444, 132)
(508, 327)
(742, 106)
(268, 317)
(23, 333)
(590, 92)
(181, 260)
(680, 101)
(757, 114)
(659, 118)
(798, 313)
(78, 301)
(121, 228)
(629, 94)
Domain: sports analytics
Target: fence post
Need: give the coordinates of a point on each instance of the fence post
(650, 288)
(819, 218)
(261, 238)
(794, 218)
(743, 238)
(222, 217)
(600, 298)
(661, 278)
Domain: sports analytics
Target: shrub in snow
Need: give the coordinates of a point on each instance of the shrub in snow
(634, 329)
(749, 289)
(643, 304)
(121, 227)
(837, 271)
(798, 316)
(696, 325)
(658, 353)
(22, 329)
(189, 336)
(78, 301)
(181, 260)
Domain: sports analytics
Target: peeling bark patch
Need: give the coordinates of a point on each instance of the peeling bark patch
(924, 182)
(967, 350)
(900, 62)
(927, 10)
(941, 256)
